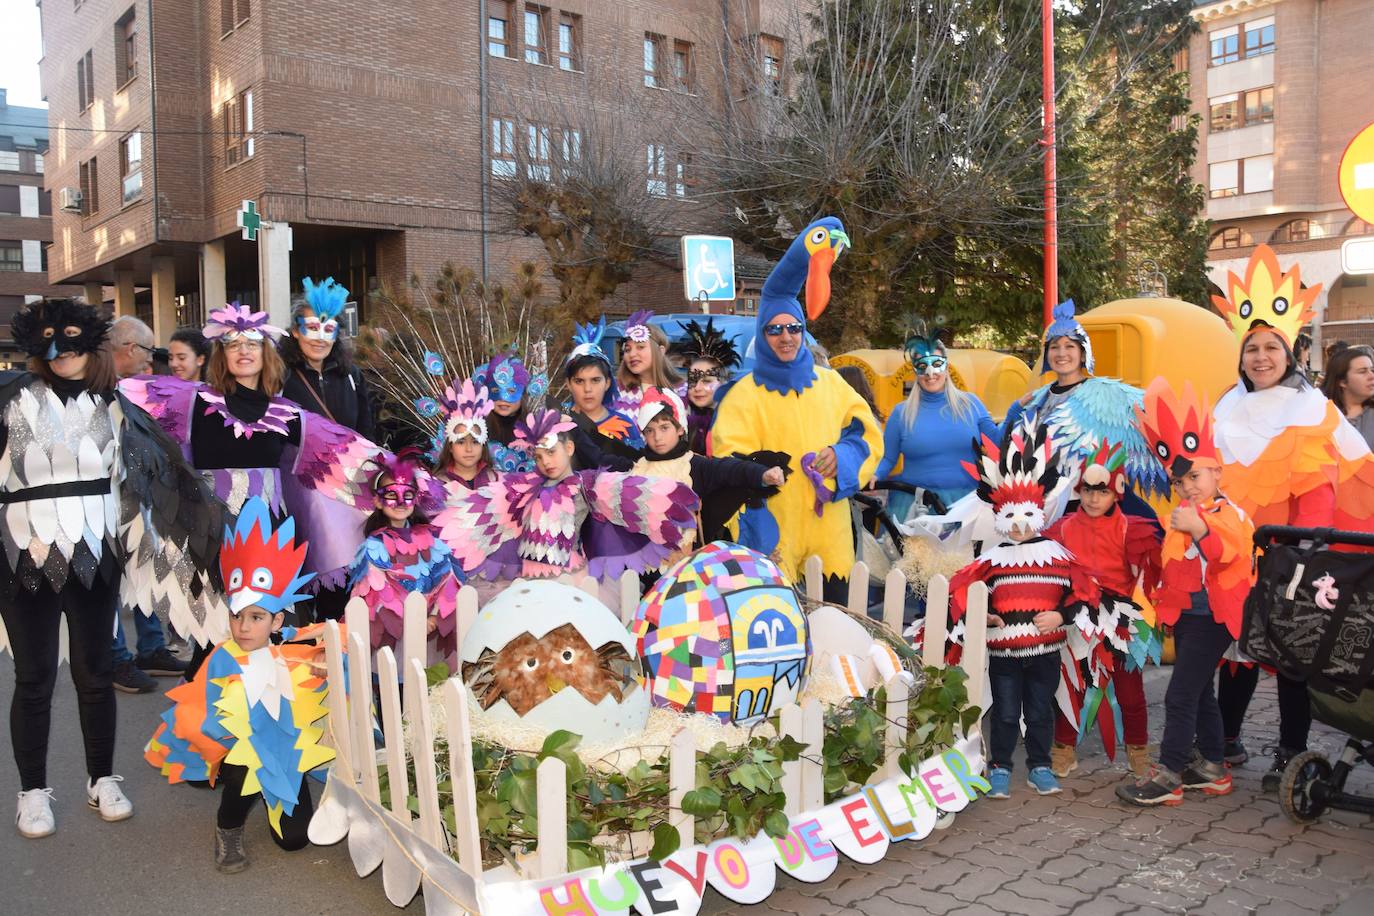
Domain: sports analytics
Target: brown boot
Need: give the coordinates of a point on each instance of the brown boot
(1063, 760)
(1138, 755)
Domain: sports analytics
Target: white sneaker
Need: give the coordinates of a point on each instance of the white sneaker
(105, 796)
(34, 818)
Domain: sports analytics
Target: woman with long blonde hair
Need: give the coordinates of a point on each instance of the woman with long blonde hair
(934, 430)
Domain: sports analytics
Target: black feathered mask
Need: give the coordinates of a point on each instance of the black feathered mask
(55, 326)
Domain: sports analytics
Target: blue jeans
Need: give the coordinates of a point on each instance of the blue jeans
(1022, 688)
(150, 638)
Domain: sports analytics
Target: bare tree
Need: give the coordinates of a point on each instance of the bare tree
(582, 168)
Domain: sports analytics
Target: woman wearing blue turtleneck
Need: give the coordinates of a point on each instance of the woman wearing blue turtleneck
(933, 431)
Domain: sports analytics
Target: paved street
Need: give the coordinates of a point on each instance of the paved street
(1081, 853)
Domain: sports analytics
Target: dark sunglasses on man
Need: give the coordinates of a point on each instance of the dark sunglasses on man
(776, 330)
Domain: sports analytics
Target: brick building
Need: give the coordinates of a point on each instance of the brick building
(25, 215)
(362, 125)
(1282, 88)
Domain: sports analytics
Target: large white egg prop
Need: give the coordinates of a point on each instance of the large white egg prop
(549, 655)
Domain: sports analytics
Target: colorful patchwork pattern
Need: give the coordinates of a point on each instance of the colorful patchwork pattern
(722, 632)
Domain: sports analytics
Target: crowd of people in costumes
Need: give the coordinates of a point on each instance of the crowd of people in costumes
(220, 495)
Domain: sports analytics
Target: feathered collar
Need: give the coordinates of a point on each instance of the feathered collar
(1035, 552)
(1248, 421)
(275, 418)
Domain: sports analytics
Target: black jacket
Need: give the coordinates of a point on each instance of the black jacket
(337, 393)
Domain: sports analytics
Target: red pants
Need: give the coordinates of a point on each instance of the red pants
(1130, 695)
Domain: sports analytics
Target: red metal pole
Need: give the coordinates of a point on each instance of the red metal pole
(1048, 140)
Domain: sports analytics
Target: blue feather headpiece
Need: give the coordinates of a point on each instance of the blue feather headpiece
(325, 299)
(587, 342)
(1066, 325)
(262, 566)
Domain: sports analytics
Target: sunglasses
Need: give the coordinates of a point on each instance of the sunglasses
(776, 330)
(395, 496)
(696, 376)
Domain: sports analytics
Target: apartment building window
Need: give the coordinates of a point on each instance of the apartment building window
(498, 28)
(38, 163)
(1257, 174)
(502, 148)
(238, 128)
(1259, 37)
(11, 256)
(1295, 230)
(1224, 179)
(1225, 46)
(684, 67)
(1230, 237)
(569, 42)
(680, 175)
(571, 144)
(9, 200)
(536, 34)
(85, 80)
(126, 48)
(770, 50)
(538, 149)
(131, 166)
(9, 160)
(1259, 105)
(653, 60)
(657, 160)
(90, 187)
(1225, 112)
(232, 14)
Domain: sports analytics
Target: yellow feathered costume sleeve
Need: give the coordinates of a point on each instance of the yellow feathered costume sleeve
(828, 413)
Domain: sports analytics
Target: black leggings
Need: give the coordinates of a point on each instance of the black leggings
(33, 620)
(234, 808)
(1236, 687)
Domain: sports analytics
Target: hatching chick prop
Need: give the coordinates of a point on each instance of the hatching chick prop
(527, 671)
(533, 526)
(261, 709)
(1026, 572)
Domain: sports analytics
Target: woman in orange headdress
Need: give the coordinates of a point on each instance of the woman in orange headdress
(1288, 458)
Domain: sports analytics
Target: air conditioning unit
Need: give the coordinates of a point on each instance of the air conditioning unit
(69, 199)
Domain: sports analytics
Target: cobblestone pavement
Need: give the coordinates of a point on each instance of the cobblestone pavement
(1087, 854)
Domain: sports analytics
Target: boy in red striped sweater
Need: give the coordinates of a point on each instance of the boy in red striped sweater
(1033, 589)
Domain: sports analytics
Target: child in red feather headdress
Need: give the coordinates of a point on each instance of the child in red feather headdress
(1205, 577)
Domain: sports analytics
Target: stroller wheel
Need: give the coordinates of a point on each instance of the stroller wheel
(1302, 791)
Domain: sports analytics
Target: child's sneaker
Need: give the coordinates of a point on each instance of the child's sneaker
(1207, 777)
(999, 783)
(1138, 757)
(1042, 780)
(34, 819)
(1162, 787)
(105, 796)
(229, 854)
(1063, 759)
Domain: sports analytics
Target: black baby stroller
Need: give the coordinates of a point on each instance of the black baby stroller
(1311, 617)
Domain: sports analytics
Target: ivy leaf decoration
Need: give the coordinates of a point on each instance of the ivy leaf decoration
(666, 842)
(776, 825)
(702, 802)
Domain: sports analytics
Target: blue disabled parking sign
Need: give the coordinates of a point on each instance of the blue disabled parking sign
(708, 267)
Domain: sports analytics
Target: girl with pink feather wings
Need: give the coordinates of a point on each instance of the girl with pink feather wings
(557, 521)
(404, 553)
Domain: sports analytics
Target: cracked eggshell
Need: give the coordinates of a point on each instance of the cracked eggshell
(537, 607)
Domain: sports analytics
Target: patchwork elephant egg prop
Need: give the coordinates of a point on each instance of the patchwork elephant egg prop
(722, 633)
(552, 656)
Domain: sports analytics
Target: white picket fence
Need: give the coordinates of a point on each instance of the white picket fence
(415, 852)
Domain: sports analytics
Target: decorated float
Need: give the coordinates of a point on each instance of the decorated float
(719, 730)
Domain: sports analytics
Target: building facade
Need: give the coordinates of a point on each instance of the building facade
(375, 131)
(1282, 89)
(25, 216)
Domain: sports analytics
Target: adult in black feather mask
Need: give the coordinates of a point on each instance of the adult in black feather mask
(708, 358)
(82, 473)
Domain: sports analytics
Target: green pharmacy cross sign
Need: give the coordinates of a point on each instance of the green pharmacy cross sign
(249, 220)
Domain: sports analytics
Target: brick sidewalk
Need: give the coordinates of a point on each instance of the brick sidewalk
(1085, 853)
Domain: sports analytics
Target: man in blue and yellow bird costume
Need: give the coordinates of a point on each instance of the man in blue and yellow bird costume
(789, 404)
